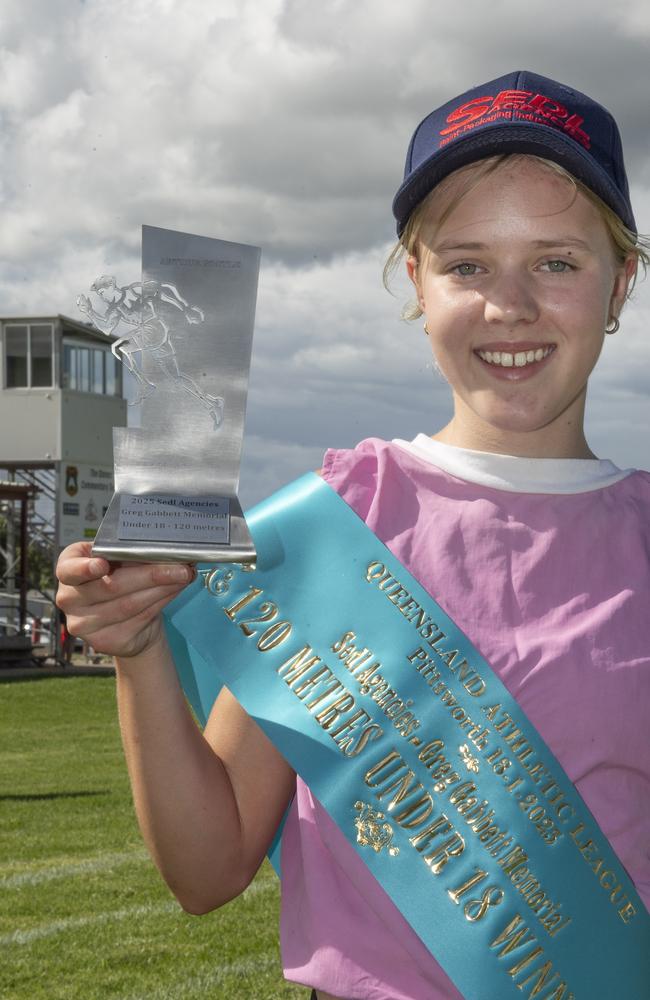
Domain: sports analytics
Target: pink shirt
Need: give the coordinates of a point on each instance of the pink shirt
(552, 587)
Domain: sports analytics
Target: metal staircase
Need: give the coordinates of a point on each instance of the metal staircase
(41, 531)
(41, 513)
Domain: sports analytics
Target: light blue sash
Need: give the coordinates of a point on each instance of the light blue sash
(418, 752)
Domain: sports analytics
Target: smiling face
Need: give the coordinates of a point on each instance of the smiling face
(517, 283)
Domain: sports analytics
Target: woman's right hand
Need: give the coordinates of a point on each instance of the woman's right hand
(116, 607)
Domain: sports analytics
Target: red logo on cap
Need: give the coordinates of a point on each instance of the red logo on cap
(528, 107)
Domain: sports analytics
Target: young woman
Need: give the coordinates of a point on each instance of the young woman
(515, 221)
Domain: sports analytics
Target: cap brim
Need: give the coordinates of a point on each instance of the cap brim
(538, 140)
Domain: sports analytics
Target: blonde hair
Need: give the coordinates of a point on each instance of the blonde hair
(624, 242)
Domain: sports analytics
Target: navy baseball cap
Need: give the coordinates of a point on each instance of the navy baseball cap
(520, 112)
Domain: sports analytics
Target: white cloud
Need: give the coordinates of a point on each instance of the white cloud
(284, 124)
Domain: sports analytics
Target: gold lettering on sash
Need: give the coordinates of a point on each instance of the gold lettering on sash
(415, 813)
(443, 853)
(608, 881)
(399, 596)
(304, 685)
(298, 664)
(626, 912)
(525, 961)
(311, 705)
(542, 977)
(492, 711)
(399, 784)
(422, 840)
(514, 859)
(368, 735)
(512, 939)
(401, 788)
(455, 894)
(347, 728)
(514, 936)
(475, 909)
(377, 768)
(328, 715)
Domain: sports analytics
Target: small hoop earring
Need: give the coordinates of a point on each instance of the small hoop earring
(426, 331)
(613, 326)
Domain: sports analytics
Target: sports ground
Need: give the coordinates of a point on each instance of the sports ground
(83, 912)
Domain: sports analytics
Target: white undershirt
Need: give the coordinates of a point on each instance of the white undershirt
(517, 475)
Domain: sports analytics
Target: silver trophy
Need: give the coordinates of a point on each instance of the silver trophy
(184, 333)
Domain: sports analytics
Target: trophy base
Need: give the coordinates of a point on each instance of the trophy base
(154, 527)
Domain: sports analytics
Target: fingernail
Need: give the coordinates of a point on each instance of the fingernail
(177, 574)
(97, 566)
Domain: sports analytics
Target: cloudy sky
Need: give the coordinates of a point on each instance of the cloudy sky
(284, 123)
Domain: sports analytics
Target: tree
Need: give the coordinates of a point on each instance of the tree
(40, 560)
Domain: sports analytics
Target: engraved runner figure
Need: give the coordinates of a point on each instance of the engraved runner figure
(138, 306)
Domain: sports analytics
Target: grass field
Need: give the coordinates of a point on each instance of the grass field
(83, 912)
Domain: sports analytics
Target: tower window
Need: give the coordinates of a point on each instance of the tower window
(29, 348)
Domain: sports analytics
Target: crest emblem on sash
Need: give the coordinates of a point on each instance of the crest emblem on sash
(371, 831)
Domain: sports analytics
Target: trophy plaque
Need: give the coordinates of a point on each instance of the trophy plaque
(184, 333)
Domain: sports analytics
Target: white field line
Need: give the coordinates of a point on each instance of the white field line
(200, 985)
(76, 923)
(19, 937)
(72, 868)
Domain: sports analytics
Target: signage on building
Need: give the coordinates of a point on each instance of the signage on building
(84, 494)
